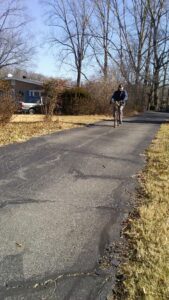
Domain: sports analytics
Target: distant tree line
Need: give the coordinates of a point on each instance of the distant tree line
(126, 38)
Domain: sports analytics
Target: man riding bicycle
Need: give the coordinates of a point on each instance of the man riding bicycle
(119, 99)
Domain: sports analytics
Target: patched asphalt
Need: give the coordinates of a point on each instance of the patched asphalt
(63, 199)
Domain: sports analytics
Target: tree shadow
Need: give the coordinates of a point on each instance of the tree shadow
(147, 121)
(90, 125)
(21, 202)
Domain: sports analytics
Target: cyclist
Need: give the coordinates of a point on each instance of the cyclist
(119, 98)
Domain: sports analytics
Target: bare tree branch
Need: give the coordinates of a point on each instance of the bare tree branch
(69, 21)
(14, 46)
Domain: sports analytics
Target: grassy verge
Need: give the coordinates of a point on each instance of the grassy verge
(23, 127)
(147, 268)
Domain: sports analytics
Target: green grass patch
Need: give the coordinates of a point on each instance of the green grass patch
(147, 267)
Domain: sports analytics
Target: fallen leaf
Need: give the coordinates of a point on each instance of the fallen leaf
(18, 244)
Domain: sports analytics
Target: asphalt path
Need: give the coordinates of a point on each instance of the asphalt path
(63, 198)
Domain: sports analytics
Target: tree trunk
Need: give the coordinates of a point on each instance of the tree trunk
(105, 69)
(79, 70)
(155, 89)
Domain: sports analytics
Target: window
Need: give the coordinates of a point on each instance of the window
(31, 100)
(36, 94)
(31, 93)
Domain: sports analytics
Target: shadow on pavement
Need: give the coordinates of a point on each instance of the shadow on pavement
(148, 121)
(21, 202)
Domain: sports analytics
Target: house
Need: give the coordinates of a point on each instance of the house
(26, 90)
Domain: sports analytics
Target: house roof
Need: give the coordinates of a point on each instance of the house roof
(40, 83)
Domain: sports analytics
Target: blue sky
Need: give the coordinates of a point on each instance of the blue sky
(45, 63)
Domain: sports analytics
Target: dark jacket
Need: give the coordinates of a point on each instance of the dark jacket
(120, 96)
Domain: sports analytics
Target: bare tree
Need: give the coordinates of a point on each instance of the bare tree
(159, 15)
(69, 20)
(14, 46)
(132, 31)
(142, 43)
(101, 30)
(165, 78)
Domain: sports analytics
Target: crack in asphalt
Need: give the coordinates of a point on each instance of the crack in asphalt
(10, 288)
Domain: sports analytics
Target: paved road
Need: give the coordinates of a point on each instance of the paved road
(63, 197)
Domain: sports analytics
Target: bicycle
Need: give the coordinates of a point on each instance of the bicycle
(118, 112)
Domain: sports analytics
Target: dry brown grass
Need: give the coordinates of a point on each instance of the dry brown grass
(23, 127)
(147, 270)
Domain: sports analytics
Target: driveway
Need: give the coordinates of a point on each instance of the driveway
(63, 199)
